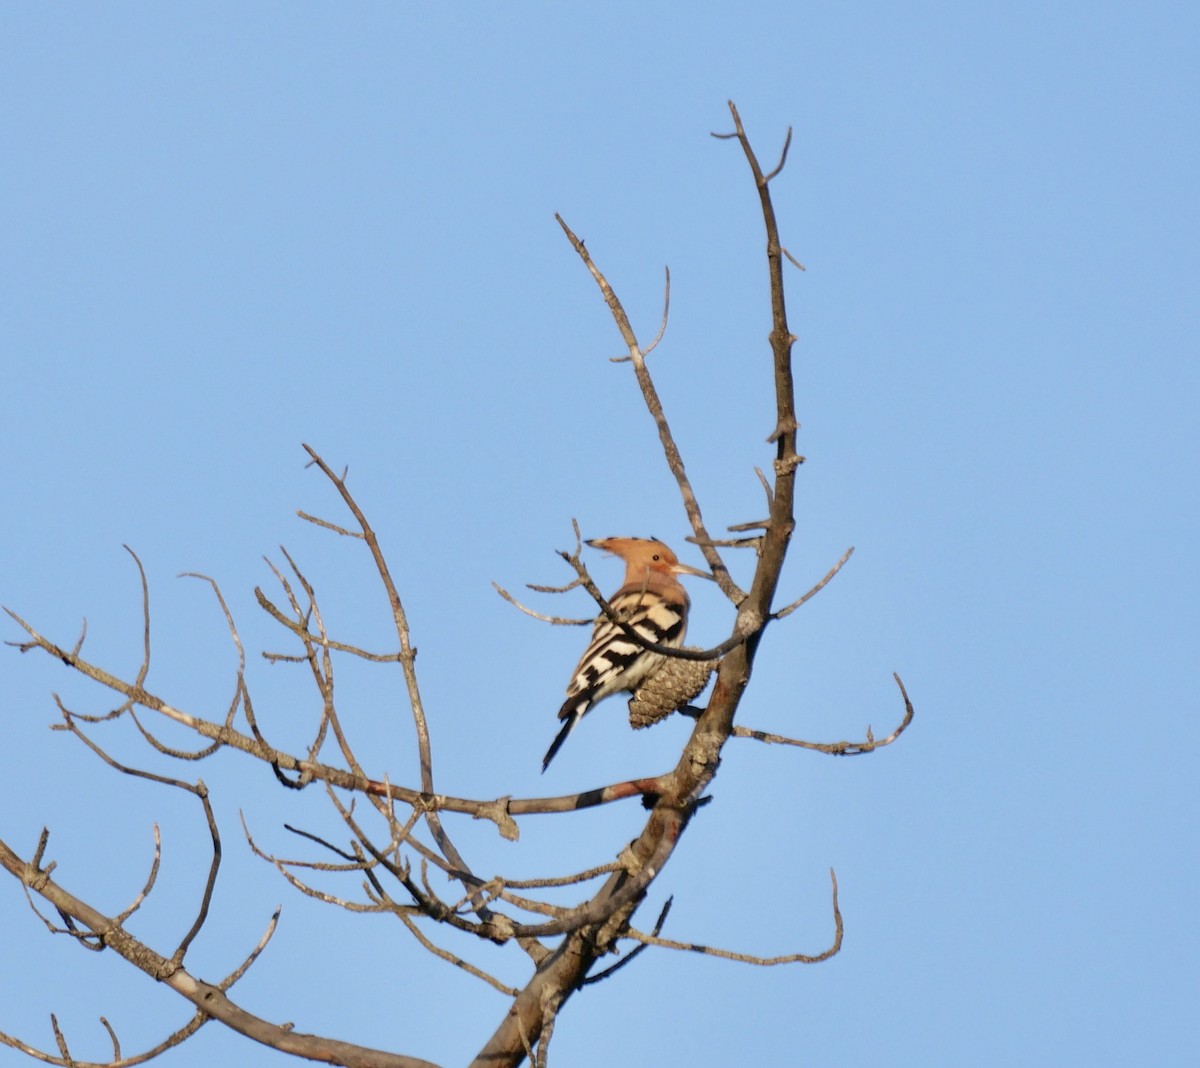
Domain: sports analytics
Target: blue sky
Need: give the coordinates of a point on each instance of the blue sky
(230, 229)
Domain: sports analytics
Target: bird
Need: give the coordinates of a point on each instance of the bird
(654, 603)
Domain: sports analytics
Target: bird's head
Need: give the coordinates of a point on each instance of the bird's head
(645, 555)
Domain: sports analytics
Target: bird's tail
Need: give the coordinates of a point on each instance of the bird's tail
(570, 713)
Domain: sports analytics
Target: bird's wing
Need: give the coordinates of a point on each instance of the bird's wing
(612, 653)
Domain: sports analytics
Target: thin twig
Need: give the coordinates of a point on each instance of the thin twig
(817, 588)
(661, 330)
(564, 880)
(329, 526)
(632, 954)
(558, 621)
(837, 748)
(749, 958)
(787, 143)
(457, 961)
(151, 879)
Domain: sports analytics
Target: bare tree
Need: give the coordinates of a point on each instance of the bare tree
(396, 834)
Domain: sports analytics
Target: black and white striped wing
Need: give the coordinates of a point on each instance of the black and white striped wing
(613, 661)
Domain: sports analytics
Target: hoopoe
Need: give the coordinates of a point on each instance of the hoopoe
(654, 603)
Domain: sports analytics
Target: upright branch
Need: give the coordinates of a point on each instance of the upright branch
(407, 659)
(782, 518)
(679, 791)
(399, 620)
(654, 406)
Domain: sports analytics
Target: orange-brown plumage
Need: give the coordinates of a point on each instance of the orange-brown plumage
(649, 565)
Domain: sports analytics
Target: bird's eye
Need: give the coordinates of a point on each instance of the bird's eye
(655, 556)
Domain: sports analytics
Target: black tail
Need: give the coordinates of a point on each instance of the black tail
(570, 716)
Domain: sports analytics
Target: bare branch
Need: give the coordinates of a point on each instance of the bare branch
(144, 670)
(116, 1044)
(573, 584)
(837, 748)
(200, 791)
(211, 999)
(632, 955)
(551, 1002)
(151, 879)
(753, 524)
(767, 490)
(323, 676)
(576, 554)
(330, 526)
(782, 156)
(497, 810)
(737, 543)
(457, 961)
(560, 621)
(661, 330)
(79, 641)
(596, 912)
(407, 661)
(178, 754)
(176, 1038)
(301, 631)
(749, 958)
(817, 588)
(792, 259)
(564, 880)
(61, 1041)
(210, 883)
(654, 405)
(354, 861)
(254, 954)
(399, 619)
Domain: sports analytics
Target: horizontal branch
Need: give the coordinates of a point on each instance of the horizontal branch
(498, 810)
(837, 748)
(749, 958)
(558, 621)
